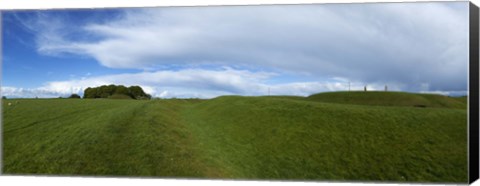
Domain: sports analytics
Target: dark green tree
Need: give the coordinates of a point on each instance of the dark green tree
(122, 90)
(104, 91)
(137, 92)
(89, 93)
(74, 96)
(110, 89)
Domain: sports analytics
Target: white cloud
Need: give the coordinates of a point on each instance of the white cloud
(42, 92)
(402, 44)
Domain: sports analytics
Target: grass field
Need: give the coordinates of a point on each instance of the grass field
(356, 136)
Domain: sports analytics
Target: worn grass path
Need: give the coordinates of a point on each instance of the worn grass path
(99, 137)
(233, 137)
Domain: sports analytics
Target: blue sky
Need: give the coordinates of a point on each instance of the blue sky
(246, 50)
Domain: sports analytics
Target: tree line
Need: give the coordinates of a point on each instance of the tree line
(109, 91)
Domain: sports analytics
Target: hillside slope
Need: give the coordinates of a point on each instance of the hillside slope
(283, 138)
(379, 98)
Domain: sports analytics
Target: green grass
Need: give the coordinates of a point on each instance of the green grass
(463, 99)
(234, 137)
(288, 139)
(378, 98)
(98, 137)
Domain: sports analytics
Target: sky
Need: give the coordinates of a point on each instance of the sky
(205, 52)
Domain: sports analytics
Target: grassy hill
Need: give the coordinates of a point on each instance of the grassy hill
(463, 99)
(98, 137)
(277, 138)
(380, 98)
(237, 137)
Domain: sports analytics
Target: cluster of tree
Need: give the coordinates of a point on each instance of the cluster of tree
(106, 91)
(73, 96)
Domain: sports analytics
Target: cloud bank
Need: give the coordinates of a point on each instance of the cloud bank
(410, 46)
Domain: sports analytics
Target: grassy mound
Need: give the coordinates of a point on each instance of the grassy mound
(283, 138)
(378, 98)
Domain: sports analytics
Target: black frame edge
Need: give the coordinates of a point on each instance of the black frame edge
(473, 96)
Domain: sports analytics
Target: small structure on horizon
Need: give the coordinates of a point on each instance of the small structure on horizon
(386, 88)
(365, 88)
